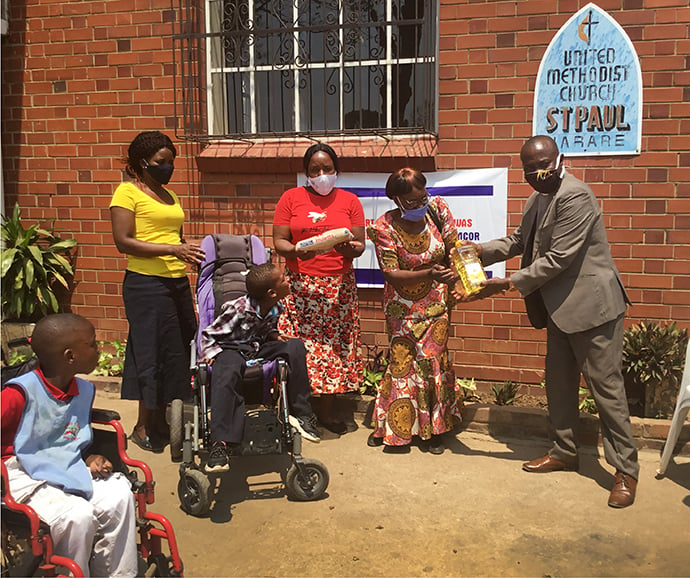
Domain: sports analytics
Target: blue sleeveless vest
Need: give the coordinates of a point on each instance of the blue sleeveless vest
(53, 433)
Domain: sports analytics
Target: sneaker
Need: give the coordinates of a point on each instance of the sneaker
(306, 425)
(218, 458)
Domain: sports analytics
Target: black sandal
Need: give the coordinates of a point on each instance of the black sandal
(145, 443)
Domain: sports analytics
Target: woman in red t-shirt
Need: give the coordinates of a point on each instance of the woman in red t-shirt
(322, 309)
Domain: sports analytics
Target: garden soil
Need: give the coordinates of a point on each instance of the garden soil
(468, 512)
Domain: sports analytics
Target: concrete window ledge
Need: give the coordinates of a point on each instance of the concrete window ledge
(355, 154)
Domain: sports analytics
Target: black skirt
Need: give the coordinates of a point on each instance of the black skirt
(162, 323)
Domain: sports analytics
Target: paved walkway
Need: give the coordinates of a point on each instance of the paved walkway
(468, 512)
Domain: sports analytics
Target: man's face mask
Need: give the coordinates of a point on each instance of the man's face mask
(547, 180)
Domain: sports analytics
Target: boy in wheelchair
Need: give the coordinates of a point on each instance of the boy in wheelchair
(45, 428)
(246, 332)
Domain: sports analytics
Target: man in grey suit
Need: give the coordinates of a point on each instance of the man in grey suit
(571, 286)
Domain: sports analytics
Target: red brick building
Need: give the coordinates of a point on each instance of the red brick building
(80, 78)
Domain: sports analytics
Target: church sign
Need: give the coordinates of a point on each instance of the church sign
(588, 94)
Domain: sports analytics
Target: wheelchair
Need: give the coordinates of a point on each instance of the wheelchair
(267, 429)
(27, 548)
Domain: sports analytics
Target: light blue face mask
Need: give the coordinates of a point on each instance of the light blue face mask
(414, 215)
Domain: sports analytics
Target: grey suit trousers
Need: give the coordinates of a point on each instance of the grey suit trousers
(596, 354)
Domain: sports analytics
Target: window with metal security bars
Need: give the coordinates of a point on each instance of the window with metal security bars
(314, 67)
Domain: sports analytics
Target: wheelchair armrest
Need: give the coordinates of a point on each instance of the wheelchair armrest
(104, 415)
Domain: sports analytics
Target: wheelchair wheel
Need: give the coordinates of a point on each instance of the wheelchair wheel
(310, 488)
(194, 491)
(176, 425)
(160, 565)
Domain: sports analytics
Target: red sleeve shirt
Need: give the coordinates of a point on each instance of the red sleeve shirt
(308, 214)
(12, 404)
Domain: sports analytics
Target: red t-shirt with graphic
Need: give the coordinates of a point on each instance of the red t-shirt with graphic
(308, 214)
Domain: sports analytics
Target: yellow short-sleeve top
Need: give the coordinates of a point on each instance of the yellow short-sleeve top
(155, 222)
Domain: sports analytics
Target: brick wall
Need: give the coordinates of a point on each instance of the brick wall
(81, 78)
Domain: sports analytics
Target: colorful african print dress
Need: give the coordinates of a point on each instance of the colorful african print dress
(417, 394)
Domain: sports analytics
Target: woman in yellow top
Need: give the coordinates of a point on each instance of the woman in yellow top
(147, 223)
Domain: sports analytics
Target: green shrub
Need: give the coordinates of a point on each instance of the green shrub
(373, 370)
(505, 393)
(587, 402)
(469, 388)
(111, 360)
(653, 360)
(34, 263)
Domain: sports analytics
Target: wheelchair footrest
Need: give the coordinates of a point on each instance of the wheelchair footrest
(262, 433)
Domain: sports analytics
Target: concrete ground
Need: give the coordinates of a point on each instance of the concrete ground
(469, 512)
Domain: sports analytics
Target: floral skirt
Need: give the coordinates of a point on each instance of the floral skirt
(417, 394)
(324, 313)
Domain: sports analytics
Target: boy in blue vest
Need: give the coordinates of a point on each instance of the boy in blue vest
(247, 329)
(46, 424)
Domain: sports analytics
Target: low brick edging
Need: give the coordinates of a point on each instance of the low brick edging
(505, 421)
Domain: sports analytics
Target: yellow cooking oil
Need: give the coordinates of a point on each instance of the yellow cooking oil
(469, 268)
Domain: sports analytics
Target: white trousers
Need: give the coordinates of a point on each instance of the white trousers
(98, 534)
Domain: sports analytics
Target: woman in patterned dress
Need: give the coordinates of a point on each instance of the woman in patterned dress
(322, 309)
(417, 394)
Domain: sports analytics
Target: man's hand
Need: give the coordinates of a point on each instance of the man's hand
(489, 288)
(477, 247)
(99, 466)
(276, 336)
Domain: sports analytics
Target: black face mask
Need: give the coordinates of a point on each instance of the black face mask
(160, 173)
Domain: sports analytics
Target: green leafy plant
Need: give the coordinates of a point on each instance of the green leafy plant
(111, 360)
(17, 357)
(587, 402)
(653, 360)
(469, 388)
(373, 370)
(505, 393)
(33, 262)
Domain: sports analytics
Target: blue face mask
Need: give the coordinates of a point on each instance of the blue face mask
(414, 215)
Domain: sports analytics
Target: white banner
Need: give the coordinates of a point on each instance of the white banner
(478, 200)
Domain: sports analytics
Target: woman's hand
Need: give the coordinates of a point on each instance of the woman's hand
(350, 249)
(189, 253)
(304, 254)
(99, 466)
(442, 274)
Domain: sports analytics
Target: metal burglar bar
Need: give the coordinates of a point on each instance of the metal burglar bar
(310, 67)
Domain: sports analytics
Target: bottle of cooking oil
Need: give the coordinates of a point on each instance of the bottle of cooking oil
(469, 268)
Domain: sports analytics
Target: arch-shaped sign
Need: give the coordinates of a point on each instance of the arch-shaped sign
(588, 95)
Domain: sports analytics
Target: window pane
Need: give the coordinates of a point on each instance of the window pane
(320, 99)
(364, 30)
(315, 66)
(273, 41)
(236, 27)
(275, 101)
(364, 92)
(319, 24)
(239, 103)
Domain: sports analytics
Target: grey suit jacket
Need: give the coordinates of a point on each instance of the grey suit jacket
(570, 275)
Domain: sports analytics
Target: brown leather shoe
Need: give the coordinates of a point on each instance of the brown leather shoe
(623, 492)
(549, 464)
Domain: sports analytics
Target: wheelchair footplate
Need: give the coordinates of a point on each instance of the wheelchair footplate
(262, 433)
